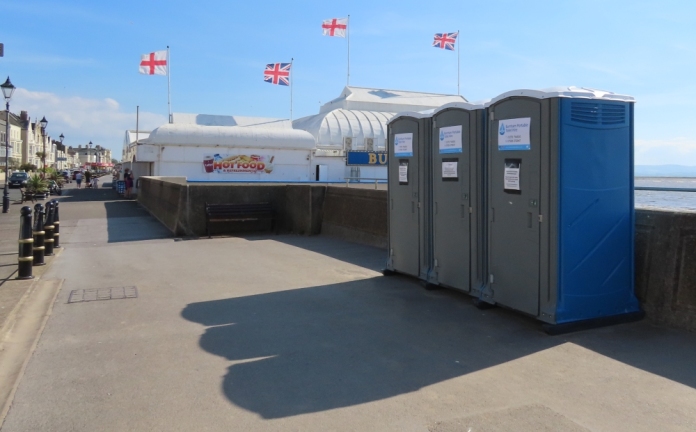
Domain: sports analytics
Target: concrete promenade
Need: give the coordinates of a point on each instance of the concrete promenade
(266, 333)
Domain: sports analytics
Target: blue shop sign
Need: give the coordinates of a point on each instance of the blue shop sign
(366, 158)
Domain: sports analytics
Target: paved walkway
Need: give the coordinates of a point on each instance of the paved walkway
(303, 333)
(12, 290)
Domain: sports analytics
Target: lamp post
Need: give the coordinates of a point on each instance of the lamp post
(7, 90)
(61, 138)
(43, 123)
(89, 157)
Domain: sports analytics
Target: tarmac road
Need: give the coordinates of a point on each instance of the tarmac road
(303, 333)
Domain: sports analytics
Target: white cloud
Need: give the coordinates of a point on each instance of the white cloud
(82, 119)
(678, 151)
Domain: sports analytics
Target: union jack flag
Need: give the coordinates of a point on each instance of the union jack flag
(445, 40)
(277, 73)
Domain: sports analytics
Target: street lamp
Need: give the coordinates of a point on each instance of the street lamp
(7, 91)
(43, 123)
(61, 137)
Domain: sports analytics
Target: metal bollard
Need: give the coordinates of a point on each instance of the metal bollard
(26, 244)
(48, 228)
(56, 225)
(39, 235)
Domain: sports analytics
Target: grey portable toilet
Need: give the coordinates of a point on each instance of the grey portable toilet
(560, 199)
(457, 154)
(408, 197)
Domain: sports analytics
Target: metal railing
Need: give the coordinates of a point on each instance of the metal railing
(663, 189)
(376, 180)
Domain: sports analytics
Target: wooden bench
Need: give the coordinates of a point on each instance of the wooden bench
(27, 196)
(238, 213)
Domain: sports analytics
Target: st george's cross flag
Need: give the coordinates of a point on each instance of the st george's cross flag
(277, 73)
(155, 63)
(445, 40)
(334, 27)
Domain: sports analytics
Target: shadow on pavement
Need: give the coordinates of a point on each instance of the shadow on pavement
(126, 221)
(90, 210)
(88, 194)
(338, 249)
(315, 349)
(333, 346)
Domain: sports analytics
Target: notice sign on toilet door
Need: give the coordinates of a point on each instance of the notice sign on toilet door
(449, 169)
(403, 172)
(403, 145)
(451, 139)
(513, 134)
(511, 181)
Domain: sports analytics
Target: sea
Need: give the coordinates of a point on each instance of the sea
(664, 200)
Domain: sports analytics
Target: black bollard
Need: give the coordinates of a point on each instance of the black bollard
(56, 225)
(39, 235)
(26, 244)
(48, 228)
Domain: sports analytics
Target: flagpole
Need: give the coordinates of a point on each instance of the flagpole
(169, 87)
(458, 48)
(291, 81)
(348, 38)
(137, 123)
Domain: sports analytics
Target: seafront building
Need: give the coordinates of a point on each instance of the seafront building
(314, 148)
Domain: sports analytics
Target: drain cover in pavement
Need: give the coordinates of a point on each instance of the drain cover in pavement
(86, 295)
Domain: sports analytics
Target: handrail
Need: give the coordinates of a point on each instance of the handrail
(348, 179)
(663, 189)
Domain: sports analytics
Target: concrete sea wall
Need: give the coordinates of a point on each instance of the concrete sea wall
(665, 241)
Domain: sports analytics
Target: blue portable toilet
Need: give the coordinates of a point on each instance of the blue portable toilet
(560, 206)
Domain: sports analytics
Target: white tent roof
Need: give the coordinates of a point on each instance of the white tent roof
(329, 128)
(131, 136)
(231, 136)
(227, 120)
(371, 99)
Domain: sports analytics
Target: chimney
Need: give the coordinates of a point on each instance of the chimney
(24, 116)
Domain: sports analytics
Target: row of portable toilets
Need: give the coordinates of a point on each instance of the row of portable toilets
(525, 201)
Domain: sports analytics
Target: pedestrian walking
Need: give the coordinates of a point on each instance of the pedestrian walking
(88, 178)
(78, 179)
(128, 178)
(95, 182)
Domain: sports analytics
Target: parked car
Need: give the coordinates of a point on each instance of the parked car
(66, 176)
(18, 179)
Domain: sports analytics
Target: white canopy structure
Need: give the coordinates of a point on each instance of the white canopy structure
(229, 137)
(371, 99)
(307, 149)
(357, 119)
(331, 128)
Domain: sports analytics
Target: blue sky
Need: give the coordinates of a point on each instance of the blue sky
(76, 62)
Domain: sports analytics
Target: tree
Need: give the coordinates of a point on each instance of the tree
(27, 167)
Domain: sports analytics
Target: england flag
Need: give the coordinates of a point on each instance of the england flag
(334, 27)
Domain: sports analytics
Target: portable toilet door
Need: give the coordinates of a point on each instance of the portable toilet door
(515, 144)
(409, 245)
(560, 194)
(457, 189)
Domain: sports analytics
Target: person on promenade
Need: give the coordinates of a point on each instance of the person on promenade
(128, 178)
(88, 178)
(95, 182)
(78, 179)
